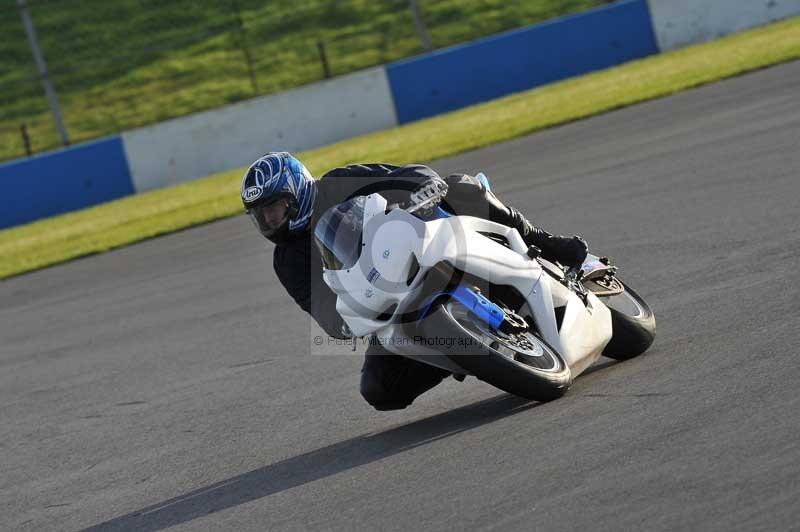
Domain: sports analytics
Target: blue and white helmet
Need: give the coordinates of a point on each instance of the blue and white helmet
(277, 182)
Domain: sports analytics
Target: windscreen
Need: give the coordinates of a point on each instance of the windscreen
(338, 234)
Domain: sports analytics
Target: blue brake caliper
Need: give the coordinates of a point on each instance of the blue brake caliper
(476, 303)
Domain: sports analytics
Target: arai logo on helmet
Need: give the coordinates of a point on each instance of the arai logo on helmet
(252, 193)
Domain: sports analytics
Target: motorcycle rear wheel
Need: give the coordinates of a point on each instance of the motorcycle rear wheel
(521, 364)
(632, 322)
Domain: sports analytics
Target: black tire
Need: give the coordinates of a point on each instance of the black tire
(537, 373)
(633, 325)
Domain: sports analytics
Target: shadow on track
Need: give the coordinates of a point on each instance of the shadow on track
(600, 365)
(314, 465)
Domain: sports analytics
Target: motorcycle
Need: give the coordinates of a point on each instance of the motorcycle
(469, 296)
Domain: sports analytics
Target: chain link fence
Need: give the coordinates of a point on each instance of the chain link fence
(120, 64)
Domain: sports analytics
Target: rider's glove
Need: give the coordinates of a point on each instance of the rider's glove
(431, 192)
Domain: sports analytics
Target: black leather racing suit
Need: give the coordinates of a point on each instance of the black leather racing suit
(388, 381)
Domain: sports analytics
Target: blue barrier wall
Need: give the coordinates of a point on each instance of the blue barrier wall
(62, 181)
(515, 61)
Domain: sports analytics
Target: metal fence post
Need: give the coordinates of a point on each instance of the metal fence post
(323, 58)
(243, 44)
(30, 31)
(420, 24)
(26, 140)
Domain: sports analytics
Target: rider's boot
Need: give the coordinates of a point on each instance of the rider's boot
(569, 251)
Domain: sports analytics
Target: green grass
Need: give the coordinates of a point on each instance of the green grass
(161, 211)
(120, 64)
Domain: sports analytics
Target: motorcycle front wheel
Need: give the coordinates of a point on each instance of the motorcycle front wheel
(521, 364)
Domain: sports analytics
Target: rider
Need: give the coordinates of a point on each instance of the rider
(285, 202)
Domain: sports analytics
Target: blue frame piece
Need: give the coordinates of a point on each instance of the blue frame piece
(483, 180)
(437, 214)
(476, 303)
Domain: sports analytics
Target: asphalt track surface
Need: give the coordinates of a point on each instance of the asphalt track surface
(170, 385)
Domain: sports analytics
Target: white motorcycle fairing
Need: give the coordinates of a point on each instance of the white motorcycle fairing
(397, 251)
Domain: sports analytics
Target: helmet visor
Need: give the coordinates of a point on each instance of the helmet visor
(339, 234)
(271, 217)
